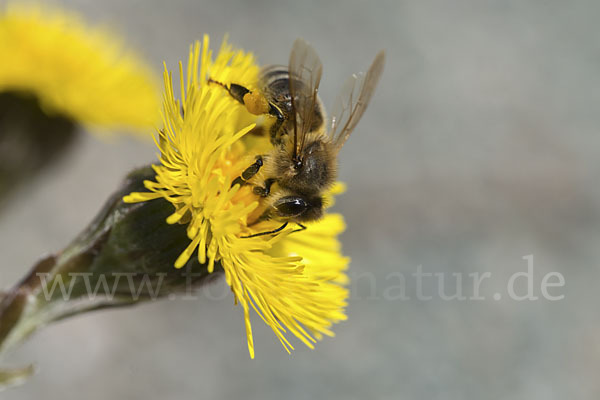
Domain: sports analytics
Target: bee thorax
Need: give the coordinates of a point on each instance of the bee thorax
(311, 172)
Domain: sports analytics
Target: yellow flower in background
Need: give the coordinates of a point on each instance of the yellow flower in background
(83, 74)
(293, 280)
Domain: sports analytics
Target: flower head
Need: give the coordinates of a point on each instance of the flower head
(293, 280)
(83, 74)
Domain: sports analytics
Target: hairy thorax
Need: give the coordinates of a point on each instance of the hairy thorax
(316, 170)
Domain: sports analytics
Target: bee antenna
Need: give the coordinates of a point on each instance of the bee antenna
(295, 155)
(297, 162)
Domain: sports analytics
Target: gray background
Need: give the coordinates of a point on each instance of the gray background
(480, 147)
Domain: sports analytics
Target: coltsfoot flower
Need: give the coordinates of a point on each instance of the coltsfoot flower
(84, 74)
(57, 74)
(294, 279)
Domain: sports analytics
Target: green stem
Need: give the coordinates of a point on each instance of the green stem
(124, 257)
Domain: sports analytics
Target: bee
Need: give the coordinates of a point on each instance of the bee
(302, 163)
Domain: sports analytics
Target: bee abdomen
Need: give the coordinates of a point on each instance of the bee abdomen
(272, 73)
(275, 83)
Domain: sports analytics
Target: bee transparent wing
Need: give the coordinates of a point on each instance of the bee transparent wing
(353, 101)
(305, 71)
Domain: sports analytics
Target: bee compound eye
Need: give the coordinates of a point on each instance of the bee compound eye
(291, 206)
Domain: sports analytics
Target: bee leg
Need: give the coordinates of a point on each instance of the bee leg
(248, 172)
(302, 227)
(236, 91)
(254, 102)
(264, 191)
(277, 126)
(266, 233)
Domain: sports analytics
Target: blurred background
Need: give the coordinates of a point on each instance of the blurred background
(480, 147)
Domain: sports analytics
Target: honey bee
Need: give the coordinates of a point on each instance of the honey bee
(302, 163)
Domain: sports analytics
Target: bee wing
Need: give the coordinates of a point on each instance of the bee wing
(305, 70)
(353, 101)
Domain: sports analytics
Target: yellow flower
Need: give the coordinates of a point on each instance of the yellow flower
(293, 280)
(84, 74)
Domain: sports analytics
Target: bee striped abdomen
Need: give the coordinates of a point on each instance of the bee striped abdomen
(275, 85)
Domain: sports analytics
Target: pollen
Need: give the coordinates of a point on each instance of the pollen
(256, 103)
(80, 72)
